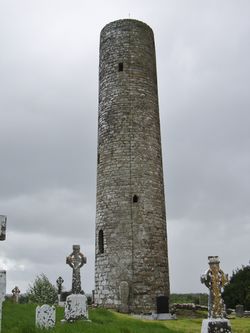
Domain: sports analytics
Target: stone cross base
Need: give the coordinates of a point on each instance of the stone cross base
(216, 326)
(76, 307)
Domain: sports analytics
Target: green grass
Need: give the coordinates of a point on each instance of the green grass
(20, 318)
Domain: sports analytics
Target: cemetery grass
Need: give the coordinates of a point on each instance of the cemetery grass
(20, 318)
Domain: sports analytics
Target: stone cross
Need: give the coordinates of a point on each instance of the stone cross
(59, 283)
(76, 260)
(215, 279)
(3, 222)
(15, 293)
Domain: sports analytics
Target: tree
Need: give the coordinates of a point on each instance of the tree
(42, 291)
(238, 289)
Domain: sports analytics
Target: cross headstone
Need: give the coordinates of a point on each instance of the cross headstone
(45, 316)
(76, 304)
(15, 293)
(59, 283)
(3, 222)
(76, 260)
(215, 280)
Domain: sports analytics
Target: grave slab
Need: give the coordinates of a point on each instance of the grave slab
(45, 316)
(76, 308)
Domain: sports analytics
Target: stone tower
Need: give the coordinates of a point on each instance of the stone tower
(131, 268)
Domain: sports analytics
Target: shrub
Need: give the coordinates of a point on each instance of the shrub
(42, 291)
(238, 289)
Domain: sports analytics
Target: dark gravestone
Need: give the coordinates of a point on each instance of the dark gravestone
(64, 295)
(162, 304)
(239, 310)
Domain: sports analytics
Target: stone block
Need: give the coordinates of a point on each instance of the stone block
(2, 285)
(239, 310)
(216, 326)
(76, 307)
(45, 316)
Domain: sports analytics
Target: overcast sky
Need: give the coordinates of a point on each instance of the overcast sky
(48, 132)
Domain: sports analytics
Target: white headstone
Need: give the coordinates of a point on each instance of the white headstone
(76, 307)
(45, 316)
(2, 285)
(2, 292)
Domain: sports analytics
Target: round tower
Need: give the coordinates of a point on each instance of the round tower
(131, 268)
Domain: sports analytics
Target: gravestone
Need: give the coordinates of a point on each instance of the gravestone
(76, 260)
(45, 316)
(124, 295)
(59, 283)
(76, 307)
(3, 222)
(215, 280)
(239, 310)
(2, 292)
(76, 304)
(15, 294)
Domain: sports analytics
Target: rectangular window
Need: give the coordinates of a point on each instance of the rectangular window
(120, 67)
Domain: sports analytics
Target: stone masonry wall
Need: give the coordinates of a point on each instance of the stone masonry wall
(131, 238)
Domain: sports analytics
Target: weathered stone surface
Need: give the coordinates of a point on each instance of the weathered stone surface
(76, 308)
(15, 293)
(124, 295)
(76, 260)
(59, 283)
(216, 326)
(2, 293)
(131, 238)
(3, 222)
(215, 279)
(45, 316)
(2, 285)
(239, 310)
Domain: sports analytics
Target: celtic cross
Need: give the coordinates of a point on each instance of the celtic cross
(215, 279)
(59, 283)
(76, 260)
(15, 292)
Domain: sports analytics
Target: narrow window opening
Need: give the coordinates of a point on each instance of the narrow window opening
(120, 67)
(98, 158)
(135, 198)
(101, 241)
